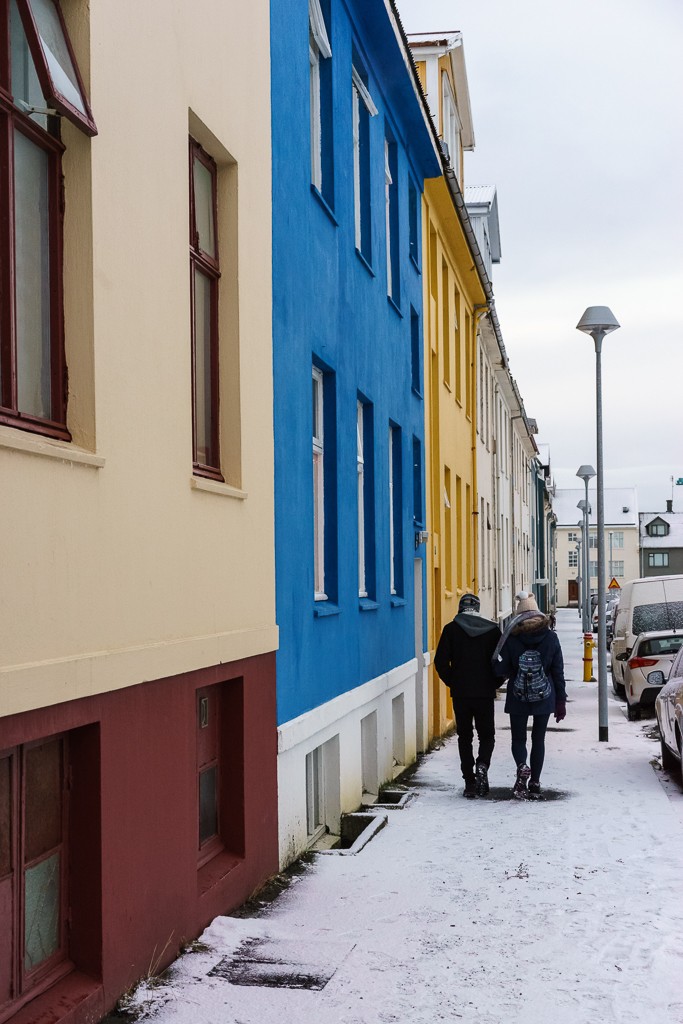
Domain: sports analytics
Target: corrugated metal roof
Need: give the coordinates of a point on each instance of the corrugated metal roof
(480, 194)
(616, 500)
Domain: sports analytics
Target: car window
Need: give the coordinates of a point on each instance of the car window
(677, 667)
(659, 645)
(650, 617)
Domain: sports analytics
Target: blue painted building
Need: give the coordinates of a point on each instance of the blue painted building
(352, 145)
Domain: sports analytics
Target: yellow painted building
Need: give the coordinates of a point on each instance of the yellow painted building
(454, 297)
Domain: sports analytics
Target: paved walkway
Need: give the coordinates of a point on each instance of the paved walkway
(491, 911)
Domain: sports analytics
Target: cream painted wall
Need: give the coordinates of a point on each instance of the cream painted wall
(116, 568)
(628, 554)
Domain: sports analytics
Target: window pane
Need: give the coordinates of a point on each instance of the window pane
(41, 911)
(5, 817)
(32, 277)
(208, 804)
(57, 56)
(203, 287)
(25, 85)
(204, 207)
(43, 796)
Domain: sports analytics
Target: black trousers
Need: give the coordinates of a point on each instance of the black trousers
(470, 715)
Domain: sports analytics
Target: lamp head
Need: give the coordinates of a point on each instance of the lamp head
(582, 504)
(598, 320)
(585, 472)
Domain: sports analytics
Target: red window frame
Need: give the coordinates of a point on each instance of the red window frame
(209, 266)
(24, 984)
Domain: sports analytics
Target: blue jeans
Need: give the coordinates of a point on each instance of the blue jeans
(518, 730)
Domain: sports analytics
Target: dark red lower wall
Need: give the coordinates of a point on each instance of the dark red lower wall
(136, 890)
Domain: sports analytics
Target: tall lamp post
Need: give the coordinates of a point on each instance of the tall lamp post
(586, 473)
(599, 321)
(579, 575)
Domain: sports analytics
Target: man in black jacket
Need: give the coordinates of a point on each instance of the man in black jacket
(463, 661)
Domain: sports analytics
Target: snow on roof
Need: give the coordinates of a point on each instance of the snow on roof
(674, 538)
(616, 500)
(480, 194)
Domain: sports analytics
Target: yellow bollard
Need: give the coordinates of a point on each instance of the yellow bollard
(588, 645)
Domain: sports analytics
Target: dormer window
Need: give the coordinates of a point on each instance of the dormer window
(658, 528)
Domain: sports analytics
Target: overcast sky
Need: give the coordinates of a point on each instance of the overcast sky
(578, 119)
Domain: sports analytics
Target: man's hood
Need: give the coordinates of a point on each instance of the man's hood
(474, 625)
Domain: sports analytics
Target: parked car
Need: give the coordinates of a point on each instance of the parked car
(669, 710)
(647, 669)
(645, 605)
(611, 603)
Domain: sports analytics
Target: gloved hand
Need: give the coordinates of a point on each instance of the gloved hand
(560, 710)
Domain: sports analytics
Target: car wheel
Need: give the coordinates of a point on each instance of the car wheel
(619, 691)
(632, 712)
(668, 759)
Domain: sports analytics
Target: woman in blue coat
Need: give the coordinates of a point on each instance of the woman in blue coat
(530, 631)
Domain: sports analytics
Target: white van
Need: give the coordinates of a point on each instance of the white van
(647, 604)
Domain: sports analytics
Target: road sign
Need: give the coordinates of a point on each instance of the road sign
(614, 585)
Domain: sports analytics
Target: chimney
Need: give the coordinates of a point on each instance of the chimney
(669, 505)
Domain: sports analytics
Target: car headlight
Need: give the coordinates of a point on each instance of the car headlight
(655, 678)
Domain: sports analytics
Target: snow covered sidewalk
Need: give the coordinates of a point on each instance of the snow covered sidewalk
(489, 911)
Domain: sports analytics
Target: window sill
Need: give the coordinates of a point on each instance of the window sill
(366, 604)
(323, 608)
(365, 263)
(398, 602)
(415, 264)
(394, 305)
(325, 205)
(204, 483)
(417, 393)
(19, 441)
(215, 870)
(447, 386)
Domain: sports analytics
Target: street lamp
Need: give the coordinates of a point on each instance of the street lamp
(579, 576)
(584, 567)
(586, 473)
(599, 321)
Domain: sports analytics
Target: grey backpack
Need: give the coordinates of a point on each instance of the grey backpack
(531, 684)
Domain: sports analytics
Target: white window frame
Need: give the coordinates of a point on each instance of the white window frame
(318, 49)
(388, 182)
(618, 567)
(360, 463)
(318, 487)
(360, 95)
(451, 126)
(658, 559)
(618, 539)
(315, 794)
(573, 560)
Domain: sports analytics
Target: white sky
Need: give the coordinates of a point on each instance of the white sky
(577, 113)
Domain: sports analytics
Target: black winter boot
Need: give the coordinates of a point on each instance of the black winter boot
(519, 789)
(482, 779)
(470, 790)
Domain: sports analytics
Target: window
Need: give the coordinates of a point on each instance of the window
(204, 278)
(38, 84)
(395, 517)
(363, 110)
(572, 537)
(360, 464)
(618, 568)
(33, 863)
(592, 540)
(617, 539)
(320, 74)
(593, 569)
(448, 530)
(573, 559)
(446, 324)
(469, 381)
(391, 219)
(413, 224)
(418, 515)
(658, 528)
(415, 352)
(458, 345)
(220, 770)
(658, 559)
(318, 488)
(450, 129)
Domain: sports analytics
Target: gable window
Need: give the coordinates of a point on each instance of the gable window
(451, 127)
(363, 110)
(391, 219)
(658, 559)
(658, 528)
(39, 83)
(319, 53)
(204, 278)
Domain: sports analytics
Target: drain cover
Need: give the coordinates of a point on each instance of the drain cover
(282, 963)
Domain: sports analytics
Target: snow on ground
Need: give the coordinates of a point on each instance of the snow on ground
(485, 911)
